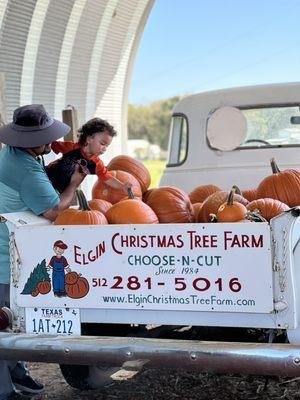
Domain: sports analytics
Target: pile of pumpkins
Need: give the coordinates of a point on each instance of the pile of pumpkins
(275, 194)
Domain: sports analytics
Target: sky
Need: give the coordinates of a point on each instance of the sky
(192, 46)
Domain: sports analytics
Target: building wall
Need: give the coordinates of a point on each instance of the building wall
(77, 52)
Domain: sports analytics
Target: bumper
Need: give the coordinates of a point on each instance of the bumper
(220, 357)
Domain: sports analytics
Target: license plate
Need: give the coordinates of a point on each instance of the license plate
(55, 321)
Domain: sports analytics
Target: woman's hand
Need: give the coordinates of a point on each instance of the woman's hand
(77, 176)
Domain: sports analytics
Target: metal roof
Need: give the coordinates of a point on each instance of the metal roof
(78, 52)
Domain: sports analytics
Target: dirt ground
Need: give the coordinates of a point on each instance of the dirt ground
(165, 385)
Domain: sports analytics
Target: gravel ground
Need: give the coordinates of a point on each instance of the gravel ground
(170, 385)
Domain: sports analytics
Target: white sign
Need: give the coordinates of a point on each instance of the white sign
(196, 267)
(56, 321)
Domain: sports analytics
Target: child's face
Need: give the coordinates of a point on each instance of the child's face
(58, 251)
(98, 143)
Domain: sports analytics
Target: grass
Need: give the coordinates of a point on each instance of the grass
(155, 168)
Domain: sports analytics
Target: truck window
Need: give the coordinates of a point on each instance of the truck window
(272, 127)
(178, 140)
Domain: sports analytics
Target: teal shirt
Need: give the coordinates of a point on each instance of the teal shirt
(24, 186)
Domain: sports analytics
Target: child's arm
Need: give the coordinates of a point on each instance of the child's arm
(63, 147)
(116, 184)
(103, 173)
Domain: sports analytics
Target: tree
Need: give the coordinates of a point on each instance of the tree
(152, 122)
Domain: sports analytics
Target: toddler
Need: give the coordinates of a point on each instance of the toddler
(94, 138)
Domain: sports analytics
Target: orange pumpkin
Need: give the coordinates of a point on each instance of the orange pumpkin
(197, 208)
(281, 185)
(146, 194)
(71, 278)
(171, 205)
(133, 167)
(250, 194)
(44, 287)
(231, 211)
(201, 193)
(102, 191)
(131, 211)
(35, 292)
(81, 216)
(79, 289)
(99, 205)
(268, 208)
(214, 201)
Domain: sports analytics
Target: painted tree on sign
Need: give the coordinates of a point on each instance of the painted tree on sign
(39, 274)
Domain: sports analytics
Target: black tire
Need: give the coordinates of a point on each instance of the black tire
(87, 377)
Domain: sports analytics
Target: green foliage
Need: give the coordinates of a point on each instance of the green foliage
(152, 122)
(265, 123)
(155, 168)
(39, 274)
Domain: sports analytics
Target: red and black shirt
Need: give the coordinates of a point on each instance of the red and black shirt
(75, 150)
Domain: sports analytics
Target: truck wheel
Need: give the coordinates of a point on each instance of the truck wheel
(87, 377)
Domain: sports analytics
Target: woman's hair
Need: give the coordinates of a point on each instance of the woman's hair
(94, 125)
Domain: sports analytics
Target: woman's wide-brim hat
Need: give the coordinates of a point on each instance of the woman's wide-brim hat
(32, 126)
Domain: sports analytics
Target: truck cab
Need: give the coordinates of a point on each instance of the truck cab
(215, 134)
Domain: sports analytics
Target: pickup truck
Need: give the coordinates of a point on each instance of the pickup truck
(135, 292)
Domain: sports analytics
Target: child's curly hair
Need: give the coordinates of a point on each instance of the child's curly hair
(94, 125)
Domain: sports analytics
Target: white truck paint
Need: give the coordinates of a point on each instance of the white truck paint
(242, 166)
(192, 161)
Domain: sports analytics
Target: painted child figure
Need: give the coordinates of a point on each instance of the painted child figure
(94, 138)
(59, 264)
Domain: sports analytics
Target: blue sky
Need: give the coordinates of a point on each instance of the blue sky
(191, 46)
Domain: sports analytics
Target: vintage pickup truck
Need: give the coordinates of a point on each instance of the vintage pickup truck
(139, 290)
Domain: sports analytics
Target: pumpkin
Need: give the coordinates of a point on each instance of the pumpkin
(171, 205)
(201, 193)
(197, 208)
(99, 205)
(281, 185)
(231, 211)
(214, 201)
(71, 278)
(35, 292)
(102, 191)
(133, 167)
(146, 195)
(79, 289)
(250, 194)
(81, 216)
(268, 208)
(44, 287)
(131, 211)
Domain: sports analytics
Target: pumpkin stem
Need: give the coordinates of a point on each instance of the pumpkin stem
(83, 204)
(213, 217)
(255, 216)
(237, 190)
(230, 196)
(130, 193)
(274, 166)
